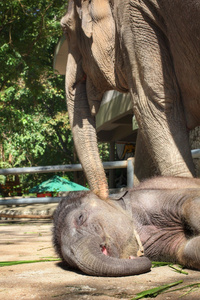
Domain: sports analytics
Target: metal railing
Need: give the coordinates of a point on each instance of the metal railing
(128, 164)
(195, 153)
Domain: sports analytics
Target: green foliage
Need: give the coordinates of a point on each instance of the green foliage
(34, 128)
(104, 150)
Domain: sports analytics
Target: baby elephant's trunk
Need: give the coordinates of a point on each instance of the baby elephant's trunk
(90, 259)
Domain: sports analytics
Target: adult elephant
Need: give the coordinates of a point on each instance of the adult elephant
(150, 48)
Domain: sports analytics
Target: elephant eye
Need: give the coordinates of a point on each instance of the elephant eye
(80, 219)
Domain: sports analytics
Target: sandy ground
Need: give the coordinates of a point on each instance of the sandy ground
(31, 240)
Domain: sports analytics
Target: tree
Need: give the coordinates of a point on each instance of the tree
(34, 121)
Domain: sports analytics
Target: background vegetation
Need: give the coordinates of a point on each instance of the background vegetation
(34, 127)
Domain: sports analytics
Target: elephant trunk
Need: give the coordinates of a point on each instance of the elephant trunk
(89, 258)
(83, 127)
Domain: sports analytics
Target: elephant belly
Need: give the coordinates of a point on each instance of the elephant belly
(161, 244)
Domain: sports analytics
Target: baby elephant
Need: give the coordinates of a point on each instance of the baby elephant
(160, 217)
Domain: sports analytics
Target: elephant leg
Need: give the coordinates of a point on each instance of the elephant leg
(157, 106)
(189, 254)
(190, 215)
(144, 166)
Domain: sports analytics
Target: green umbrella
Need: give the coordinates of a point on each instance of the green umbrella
(57, 184)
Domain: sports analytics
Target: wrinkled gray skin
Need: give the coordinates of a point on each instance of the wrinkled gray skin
(98, 236)
(151, 49)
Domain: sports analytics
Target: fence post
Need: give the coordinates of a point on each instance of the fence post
(130, 172)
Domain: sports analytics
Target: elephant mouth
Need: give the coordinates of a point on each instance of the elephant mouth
(113, 250)
(104, 250)
(81, 80)
(109, 250)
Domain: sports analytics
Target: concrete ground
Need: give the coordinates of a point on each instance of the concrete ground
(31, 240)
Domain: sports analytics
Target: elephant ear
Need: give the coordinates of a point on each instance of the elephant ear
(68, 21)
(83, 11)
(93, 10)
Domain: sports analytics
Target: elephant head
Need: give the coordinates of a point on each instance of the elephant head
(96, 237)
(90, 72)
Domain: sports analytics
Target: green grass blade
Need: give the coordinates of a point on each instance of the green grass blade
(178, 270)
(155, 291)
(191, 286)
(19, 262)
(156, 264)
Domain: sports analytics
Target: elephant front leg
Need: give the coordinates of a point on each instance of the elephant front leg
(157, 101)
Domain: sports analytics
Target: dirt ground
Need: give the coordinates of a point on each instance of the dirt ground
(31, 240)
